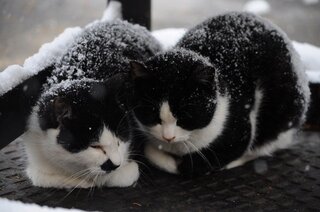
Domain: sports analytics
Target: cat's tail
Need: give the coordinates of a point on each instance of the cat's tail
(112, 12)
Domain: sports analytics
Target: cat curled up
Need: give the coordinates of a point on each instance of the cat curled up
(231, 90)
(78, 133)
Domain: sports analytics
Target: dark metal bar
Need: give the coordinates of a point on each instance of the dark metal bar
(137, 11)
(16, 105)
(313, 115)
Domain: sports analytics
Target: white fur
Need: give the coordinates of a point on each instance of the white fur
(50, 165)
(169, 122)
(185, 141)
(161, 159)
(258, 95)
(190, 141)
(283, 141)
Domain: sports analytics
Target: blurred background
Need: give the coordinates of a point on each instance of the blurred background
(26, 25)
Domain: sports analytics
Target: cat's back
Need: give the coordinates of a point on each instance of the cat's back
(234, 37)
(254, 60)
(103, 50)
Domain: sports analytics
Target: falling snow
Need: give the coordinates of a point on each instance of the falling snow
(260, 166)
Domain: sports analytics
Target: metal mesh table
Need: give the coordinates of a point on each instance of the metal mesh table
(289, 180)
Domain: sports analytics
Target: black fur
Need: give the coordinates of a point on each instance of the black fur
(86, 89)
(244, 52)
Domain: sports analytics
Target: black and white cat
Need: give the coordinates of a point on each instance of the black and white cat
(232, 89)
(78, 133)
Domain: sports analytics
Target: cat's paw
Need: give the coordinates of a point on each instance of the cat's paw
(161, 159)
(124, 176)
(240, 161)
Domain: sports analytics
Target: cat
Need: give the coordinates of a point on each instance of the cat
(232, 89)
(78, 133)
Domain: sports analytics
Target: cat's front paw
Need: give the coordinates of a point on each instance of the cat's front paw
(124, 176)
(161, 159)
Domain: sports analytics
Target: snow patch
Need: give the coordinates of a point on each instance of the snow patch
(310, 56)
(310, 2)
(259, 7)
(169, 37)
(260, 166)
(10, 205)
(47, 55)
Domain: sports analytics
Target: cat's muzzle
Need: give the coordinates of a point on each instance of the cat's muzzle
(108, 166)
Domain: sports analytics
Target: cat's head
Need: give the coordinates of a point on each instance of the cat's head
(174, 94)
(85, 124)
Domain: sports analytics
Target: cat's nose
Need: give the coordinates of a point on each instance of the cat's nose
(108, 166)
(169, 139)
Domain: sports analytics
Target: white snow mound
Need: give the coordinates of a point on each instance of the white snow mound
(259, 7)
(310, 2)
(310, 56)
(169, 37)
(12, 206)
(49, 53)
(46, 56)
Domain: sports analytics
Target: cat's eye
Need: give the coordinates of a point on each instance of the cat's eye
(98, 147)
(95, 146)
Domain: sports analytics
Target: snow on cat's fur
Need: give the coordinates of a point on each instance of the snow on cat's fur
(78, 133)
(232, 89)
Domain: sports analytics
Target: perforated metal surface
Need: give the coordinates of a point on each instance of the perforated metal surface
(289, 180)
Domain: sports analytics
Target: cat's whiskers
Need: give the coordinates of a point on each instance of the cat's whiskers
(200, 153)
(81, 181)
(189, 153)
(93, 185)
(144, 175)
(215, 155)
(76, 176)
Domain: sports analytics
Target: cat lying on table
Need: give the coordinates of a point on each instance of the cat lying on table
(231, 90)
(78, 133)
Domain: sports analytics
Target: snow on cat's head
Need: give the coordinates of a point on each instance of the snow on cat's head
(174, 94)
(83, 127)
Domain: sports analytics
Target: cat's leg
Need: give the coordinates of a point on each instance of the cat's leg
(241, 161)
(284, 140)
(56, 180)
(124, 176)
(161, 159)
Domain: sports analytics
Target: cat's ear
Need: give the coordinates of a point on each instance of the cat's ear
(62, 108)
(137, 69)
